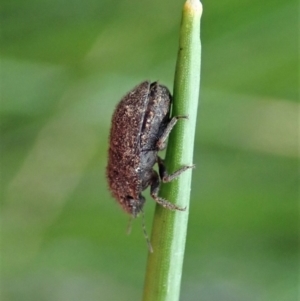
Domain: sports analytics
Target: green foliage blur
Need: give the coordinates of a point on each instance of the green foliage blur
(64, 67)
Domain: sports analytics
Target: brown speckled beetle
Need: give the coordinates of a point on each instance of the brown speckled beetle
(140, 127)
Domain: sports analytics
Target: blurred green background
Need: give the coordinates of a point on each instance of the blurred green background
(64, 66)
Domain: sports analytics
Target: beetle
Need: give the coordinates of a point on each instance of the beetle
(141, 124)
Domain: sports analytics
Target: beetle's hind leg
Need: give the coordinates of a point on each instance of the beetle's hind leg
(161, 143)
(154, 193)
(165, 177)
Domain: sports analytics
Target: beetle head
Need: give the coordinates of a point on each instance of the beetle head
(134, 207)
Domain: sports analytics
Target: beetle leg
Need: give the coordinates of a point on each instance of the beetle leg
(154, 193)
(165, 177)
(161, 143)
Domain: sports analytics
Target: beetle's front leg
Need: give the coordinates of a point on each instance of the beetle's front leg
(154, 193)
(165, 177)
(161, 143)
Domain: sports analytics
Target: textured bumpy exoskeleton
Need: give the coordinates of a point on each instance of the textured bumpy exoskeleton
(140, 127)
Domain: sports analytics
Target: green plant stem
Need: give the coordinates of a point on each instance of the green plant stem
(164, 266)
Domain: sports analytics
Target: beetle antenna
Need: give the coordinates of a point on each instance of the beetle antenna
(145, 233)
(129, 225)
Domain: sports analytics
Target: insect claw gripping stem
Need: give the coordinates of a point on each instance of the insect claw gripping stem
(166, 204)
(168, 178)
(154, 194)
(161, 143)
(165, 177)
